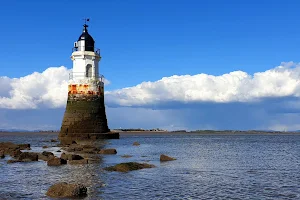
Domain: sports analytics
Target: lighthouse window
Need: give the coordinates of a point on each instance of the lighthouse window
(88, 70)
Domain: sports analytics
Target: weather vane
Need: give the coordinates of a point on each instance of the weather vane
(86, 20)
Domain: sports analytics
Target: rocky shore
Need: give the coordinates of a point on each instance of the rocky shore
(70, 154)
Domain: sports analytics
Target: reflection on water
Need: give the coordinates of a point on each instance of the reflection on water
(207, 166)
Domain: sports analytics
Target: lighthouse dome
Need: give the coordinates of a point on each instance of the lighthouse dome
(89, 42)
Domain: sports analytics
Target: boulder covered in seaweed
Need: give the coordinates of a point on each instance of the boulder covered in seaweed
(129, 166)
(65, 190)
(164, 157)
(108, 151)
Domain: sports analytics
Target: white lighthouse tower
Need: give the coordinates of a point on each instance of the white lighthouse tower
(85, 116)
(85, 57)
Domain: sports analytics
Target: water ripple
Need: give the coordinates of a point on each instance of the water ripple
(207, 167)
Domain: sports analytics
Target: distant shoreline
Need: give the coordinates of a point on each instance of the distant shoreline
(208, 132)
(27, 132)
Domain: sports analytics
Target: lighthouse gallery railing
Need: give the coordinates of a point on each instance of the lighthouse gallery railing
(85, 76)
(96, 50)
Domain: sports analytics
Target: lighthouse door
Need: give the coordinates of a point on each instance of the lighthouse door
(88, 70)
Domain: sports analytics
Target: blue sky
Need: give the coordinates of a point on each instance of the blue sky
(148, 40)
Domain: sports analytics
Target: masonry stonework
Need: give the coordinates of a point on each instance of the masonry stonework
(85, 117)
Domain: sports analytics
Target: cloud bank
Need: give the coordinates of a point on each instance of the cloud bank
(46, 89)
(237, 100)
(236, 86)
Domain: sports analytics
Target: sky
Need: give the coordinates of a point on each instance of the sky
(168, 64)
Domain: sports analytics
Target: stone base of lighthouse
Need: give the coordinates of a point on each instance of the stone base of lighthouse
(85, 117)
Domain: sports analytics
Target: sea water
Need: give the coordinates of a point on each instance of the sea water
(223, 166)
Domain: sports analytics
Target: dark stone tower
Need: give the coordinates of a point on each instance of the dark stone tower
(85, 117)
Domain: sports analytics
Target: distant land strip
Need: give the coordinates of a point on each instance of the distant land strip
(161, 131)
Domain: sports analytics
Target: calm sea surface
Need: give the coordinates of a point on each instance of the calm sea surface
(207, 167)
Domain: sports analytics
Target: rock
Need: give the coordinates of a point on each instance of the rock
(88, 146)
(74, 157)
(125, 167)
(26, 160)
(166, 158)
(108, 151)
(58, 151)
(53, 140)
(91, 156)
(13, 161)
(65, 141)
(17, 161)
(8, 145)
(70, 149)
(44, 147)
(136, 144)
(12, 149)
(47, 153)
(64, 156)
(2, 154)
(28, 156)
(24, 146)
(9, 148)
(42, 157)
(78, 162)
(92, 161)
(77, 147)
(71, 156)
(15, 153)
(90, 149)
(74, 147)
(45, 156)
(56, 161)
(66, 190)
(126, 156)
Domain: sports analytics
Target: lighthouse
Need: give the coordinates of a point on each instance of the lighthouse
(85, 116)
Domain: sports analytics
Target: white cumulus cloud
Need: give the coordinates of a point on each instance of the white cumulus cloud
(213, 102)
(237, 86)
(49, 88)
